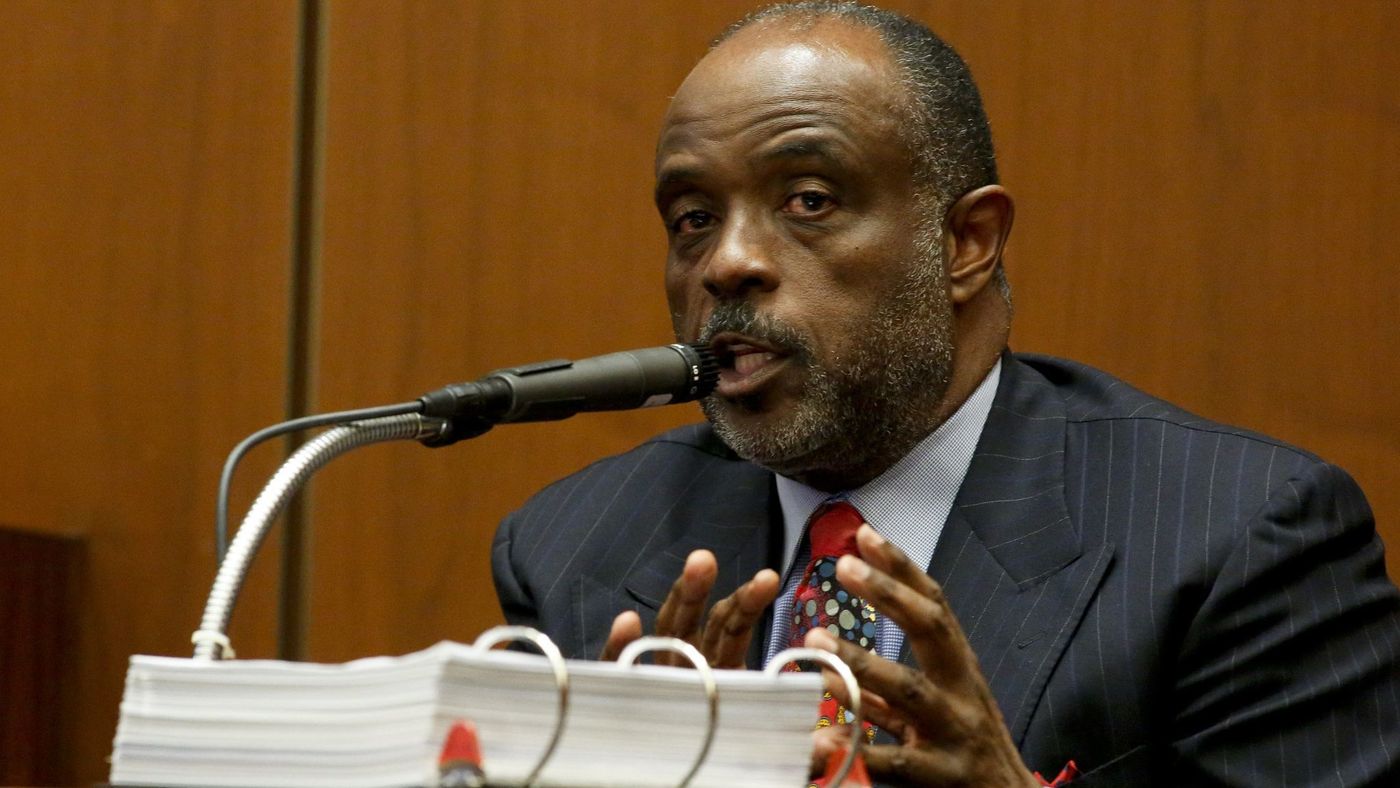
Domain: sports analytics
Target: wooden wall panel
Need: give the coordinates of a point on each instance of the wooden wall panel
(1206, 203)
(144, 167)
(1208, 197)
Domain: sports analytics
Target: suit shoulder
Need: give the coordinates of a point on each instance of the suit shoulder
(1091, 395)
(690, 444)
(662, 460)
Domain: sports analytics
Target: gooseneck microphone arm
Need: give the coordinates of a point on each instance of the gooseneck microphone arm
(545, 391)
(211, 639)
(536, 392)
(268, 433)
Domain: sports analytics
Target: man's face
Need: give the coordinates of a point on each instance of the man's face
(798, 247)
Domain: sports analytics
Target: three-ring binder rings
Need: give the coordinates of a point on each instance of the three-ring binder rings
(540, 720)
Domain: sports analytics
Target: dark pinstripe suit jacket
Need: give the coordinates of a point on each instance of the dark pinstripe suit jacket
(1163, 599)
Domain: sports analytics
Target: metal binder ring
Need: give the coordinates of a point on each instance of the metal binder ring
(497, 635)
(782, 658)
(643, 645)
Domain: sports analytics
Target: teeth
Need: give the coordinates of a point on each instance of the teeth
(750, 362)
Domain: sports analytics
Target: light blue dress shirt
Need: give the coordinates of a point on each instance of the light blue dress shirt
(907, 504)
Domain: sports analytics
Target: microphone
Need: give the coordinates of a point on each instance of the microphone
(552, 390)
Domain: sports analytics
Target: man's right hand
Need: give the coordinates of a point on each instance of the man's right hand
(722, 636)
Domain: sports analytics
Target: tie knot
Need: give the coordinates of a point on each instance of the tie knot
(833, 529)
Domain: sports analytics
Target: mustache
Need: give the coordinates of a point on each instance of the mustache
(742, 317)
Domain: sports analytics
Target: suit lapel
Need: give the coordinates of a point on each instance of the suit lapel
(709, 499)
(733, 524)
(733, 521)
(1010, 559)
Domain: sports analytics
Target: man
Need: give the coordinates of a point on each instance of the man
(1063, 568)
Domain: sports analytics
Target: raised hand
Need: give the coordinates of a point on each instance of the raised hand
(722, 635)
(949, 728)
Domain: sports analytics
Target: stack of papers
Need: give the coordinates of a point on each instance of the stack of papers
(382, 721)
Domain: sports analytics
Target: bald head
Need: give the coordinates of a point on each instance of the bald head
(771, 80)
(942, 118)
(777, 62)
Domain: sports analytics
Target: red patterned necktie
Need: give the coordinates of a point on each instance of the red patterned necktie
(820, 601)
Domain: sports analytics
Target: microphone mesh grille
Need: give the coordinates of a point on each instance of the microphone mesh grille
(709, 370)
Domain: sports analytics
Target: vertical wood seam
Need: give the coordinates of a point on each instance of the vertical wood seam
(303, 303)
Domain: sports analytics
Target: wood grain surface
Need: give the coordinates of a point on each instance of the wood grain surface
(1207, 202)
(144, 157)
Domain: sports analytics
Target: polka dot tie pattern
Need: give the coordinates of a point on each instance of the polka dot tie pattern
(821, 602)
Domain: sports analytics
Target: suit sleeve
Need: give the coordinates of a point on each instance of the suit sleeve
(516, 603)
(1290, 673)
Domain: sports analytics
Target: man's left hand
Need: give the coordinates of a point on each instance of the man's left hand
(949, 728)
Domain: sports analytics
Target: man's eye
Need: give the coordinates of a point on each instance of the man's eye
(692, 221)
(809, 202)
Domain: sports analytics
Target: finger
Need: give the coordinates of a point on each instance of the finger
(908, 702)
(825, 742)
(909, 766)
(929, 626)
(833, 740)
(888, 558)
(945, 766)
(730, 626)
(626, 628)
(684, 609)
(873, 707)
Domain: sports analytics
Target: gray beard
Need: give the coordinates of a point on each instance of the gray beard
(859, 414)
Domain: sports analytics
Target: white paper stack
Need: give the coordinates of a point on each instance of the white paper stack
(381, 722)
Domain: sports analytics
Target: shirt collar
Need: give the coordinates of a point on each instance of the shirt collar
(910, 501)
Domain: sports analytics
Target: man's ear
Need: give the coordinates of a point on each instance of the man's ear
(977, 227)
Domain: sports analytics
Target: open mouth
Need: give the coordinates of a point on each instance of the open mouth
(744, 364)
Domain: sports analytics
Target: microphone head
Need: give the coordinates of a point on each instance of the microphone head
(558, 389)
(706, 366)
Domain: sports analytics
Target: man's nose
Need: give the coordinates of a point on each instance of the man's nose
(741, 263)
